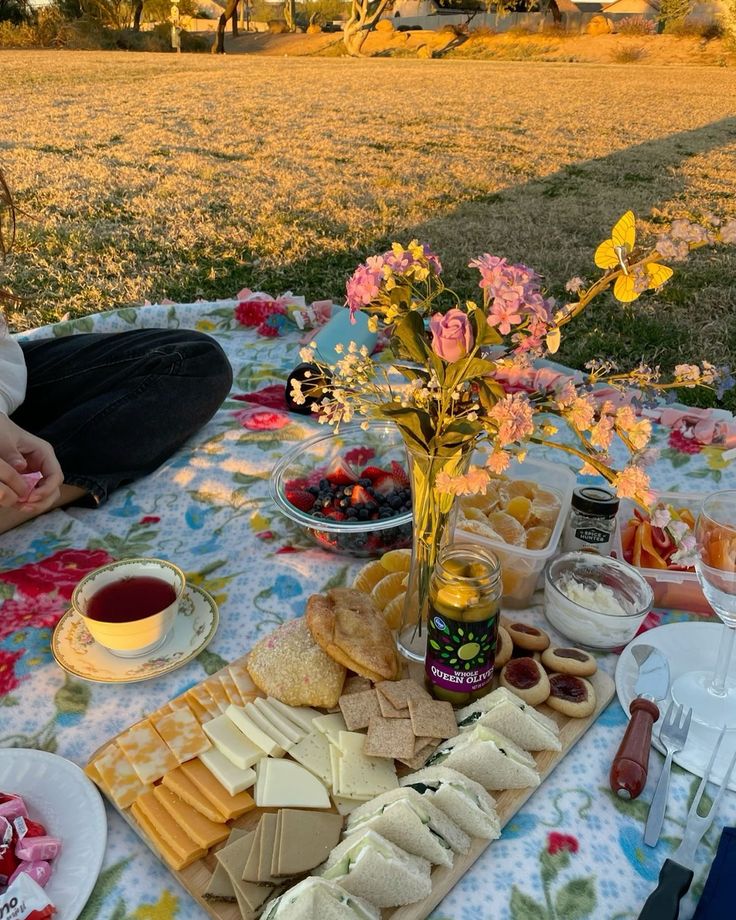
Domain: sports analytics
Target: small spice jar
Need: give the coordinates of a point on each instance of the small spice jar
(462, 625)
(592, 520)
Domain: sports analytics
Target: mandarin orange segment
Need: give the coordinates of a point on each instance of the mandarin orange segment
(538, 537)
(508, 528)
(388, 588)
(396, 560)
(544, 513)
(369, 576)
(521, 487)
(393, 610)
(519, 507)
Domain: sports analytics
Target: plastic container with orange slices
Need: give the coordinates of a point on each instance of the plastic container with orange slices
(521, 568)
(673, 589)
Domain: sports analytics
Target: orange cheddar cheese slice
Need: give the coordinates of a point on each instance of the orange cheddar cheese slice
(147, 751)
(181, 785)
(203, 697)
(230, 806)
(170, 855)
(204, 832)
(167, 828)
(243, 681)
(119, 777)
(230, 688)
(183, 734)
(217, 692)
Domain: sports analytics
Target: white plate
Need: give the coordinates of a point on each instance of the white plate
(59, 796)
(687, 647)
(78, 653)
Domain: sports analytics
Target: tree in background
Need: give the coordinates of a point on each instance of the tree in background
(672, 12)
(364, 14)
(15, 11)
(230, 12)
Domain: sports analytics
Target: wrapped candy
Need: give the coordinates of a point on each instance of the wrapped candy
(25, 900)
(34, 848)
(8, 859)
(12, 806)
(39, 870)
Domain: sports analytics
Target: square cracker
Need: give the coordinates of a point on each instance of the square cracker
(357, 708)
(390, 712)
(399, 692)
(421, 743)
(355, 684)
(420, 757)
(432, 719)
(389, 738)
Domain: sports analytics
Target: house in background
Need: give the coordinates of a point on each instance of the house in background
(620, 8)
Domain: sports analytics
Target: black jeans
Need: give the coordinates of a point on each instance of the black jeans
(114, 407)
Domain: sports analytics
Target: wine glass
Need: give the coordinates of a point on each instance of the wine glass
(712, 694)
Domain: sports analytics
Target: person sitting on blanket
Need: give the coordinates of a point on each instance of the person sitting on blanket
(91, 412)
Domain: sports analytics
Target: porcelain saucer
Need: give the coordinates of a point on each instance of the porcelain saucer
(687, 647)
(78, 653)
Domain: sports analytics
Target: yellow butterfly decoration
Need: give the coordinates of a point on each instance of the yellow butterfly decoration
(614, 253)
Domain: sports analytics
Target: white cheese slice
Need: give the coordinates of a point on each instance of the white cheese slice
(226, 773)
(248, 727)
(313, 752)
(345, 805)
(360, 776)
(334, 765)
(232, 743)
(331, 725)
(257, 717)
(302, 716)
(285, 784)
(282, 724)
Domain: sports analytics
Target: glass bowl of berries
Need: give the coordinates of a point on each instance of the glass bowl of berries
(348, 489)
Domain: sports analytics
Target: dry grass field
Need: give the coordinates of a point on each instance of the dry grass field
(144, 176)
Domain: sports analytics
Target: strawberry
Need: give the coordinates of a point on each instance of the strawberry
(373, 473)
(336, 515)
(360, 496)
(300, 498)
(385, 485)
(340, 473)
(400, 477)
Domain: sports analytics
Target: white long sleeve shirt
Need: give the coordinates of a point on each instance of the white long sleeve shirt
(13, 375)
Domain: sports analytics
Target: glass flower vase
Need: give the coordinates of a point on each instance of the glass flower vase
(434, 515)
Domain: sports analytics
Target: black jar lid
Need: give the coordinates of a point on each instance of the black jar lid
(595, 500)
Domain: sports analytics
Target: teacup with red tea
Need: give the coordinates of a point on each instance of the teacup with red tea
(129, 607)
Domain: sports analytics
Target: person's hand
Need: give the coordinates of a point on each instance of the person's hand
(22, 452)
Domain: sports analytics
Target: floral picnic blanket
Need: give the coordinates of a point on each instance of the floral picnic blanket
(574, 851)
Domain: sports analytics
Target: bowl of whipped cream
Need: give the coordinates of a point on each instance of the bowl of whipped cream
(596, 601)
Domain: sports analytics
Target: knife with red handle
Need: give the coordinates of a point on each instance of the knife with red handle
(630, 764)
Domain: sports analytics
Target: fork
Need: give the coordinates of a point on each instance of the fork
(673, 735)
(676, 873)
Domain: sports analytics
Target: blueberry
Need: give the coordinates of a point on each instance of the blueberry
(363, 514)
(366, 483)
(371, 506)
(351, 513)
(313, 490)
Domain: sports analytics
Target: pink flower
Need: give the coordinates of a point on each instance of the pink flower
(271, 396)
(452, 337)
(632, 482)
(504, 313)
(581, 413)
(261, 419)
(498, 461)
(574, 285)
(8, 680)
(557, 842)
(60, 572)
(41, 612)
(364, 285)
(515, 418)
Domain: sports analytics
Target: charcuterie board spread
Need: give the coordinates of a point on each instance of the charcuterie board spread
(282, 780)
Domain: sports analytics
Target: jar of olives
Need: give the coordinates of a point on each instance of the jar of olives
(462, 625)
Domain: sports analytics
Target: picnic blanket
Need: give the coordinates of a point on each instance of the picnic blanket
(574, 851)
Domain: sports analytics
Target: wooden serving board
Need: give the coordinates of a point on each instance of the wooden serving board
(196, 876)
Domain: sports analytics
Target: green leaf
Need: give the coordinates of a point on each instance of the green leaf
(107, 881)
(127, 315)
(576, 899)
(9, 701)
(553, 863)
(211, 661)
(679, 460)
(248, 479)
(525, 908)
(6, 590)
(416, 422)
(409, 332)
(73, 697)
(468, 370)
(337, 580)
(633, 808)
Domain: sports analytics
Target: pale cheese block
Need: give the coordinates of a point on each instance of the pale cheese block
(181, 785)
(202, 831)
(230, 806)
(230, 688)
(334, 765)
(253, 732)
(345, 805)
(147, 751)
(183, 734)
(119, 777)
(231, 742)
(203, 697)
(233, 778)
(301, 716)
(217, 692)
(313, 752)
(285, 784)
(166, 828)
(279, 722)
(170, 855)
(330, 725)
(361, 776)
(259, 719)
